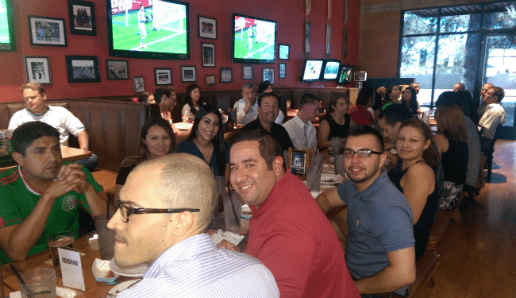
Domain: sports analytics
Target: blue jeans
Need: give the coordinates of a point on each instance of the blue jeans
(90, 163)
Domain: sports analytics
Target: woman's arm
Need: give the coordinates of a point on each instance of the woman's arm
(441, 141)
(322, 136)
(418, 183)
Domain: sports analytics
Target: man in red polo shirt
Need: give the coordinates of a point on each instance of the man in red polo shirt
(288, 232)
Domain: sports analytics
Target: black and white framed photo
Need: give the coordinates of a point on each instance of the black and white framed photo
(117, 70)
(299, 161)
(226, 74)
(139, 84)
(188, 74)
(207, 27)
(247, 72)
(208, 54)
(82, 17)
(45, 31)
(210, 79)
(284, 52)
(282, 73)
(163, 76)
(37, 69)
(82, 69)
(268, 75)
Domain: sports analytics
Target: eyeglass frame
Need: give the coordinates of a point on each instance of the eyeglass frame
(369, 152)
(142, 210)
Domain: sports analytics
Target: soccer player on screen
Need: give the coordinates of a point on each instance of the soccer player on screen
(142, 19)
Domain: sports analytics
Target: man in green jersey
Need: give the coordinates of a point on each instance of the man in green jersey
(42, 195)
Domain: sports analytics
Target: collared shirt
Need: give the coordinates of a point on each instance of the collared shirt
(494, 115)
(194, 267)
(303, 135)
(277, 131)
(241, 115)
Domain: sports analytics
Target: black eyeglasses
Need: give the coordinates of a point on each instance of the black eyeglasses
(126, 210)
(362, 153)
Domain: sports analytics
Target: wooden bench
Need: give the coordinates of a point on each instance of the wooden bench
(106, 179)
(441, 221)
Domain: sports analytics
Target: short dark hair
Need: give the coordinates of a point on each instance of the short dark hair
(270, 147)
(28, 132)
(499, 93)
(357, 130)
(395, 113)
(306, 99)
(263, 86)
(263, 95)
(364, 95)
(160, 91)
(143, 96)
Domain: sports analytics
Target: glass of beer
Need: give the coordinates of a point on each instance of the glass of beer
(61, 239)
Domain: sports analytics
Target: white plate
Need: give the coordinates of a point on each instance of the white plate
(183, 125)
(134, 271)
(120, 287)
(331, 179)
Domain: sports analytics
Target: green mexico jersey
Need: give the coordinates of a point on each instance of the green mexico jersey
(18, 199)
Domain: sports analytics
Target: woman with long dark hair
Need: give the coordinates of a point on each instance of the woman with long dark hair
(193, 101)
(360, 113)
(409, 99)
(336, 122)
(206, 140)
(392, 96)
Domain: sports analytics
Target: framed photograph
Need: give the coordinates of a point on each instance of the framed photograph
(268, 75)
(82, 18)
(82, 69)
(299, 160)
(139, 84)
(45, 31)
(284, 52)
(247, 72)
(188, 74)
(226, 74)
(210, 79)
(163, 76)
(208, 54)
(37, 70)
(117, 70)
(282, 71)
(207, 27)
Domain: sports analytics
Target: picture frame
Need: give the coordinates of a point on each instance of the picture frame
(163, 76)
(37, 69)
(82, 18)
(226, 74)
(210, 79)
(188, 74)
(282, 71)
(207, 27)
(208, 54)
(82, 69)
(117, 70)
(138, 84)
(247, 72)
(46, 31)
(268, 75)
(299, 161)
(283, 52)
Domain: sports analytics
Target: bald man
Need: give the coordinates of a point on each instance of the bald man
(161, 222)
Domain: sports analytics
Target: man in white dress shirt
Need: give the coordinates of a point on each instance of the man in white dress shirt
(247, 107)
(300, 128)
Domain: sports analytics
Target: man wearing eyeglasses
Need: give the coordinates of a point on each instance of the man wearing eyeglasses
(162, 220)
(380, 251)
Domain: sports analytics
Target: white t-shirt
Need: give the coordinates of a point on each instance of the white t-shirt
(494, 115)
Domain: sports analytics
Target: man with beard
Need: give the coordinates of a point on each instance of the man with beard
(42, 195)
(380, 251)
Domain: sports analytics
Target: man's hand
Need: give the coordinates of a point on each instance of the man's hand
(71, 174)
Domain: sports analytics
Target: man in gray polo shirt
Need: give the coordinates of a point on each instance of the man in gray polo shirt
(380, 251)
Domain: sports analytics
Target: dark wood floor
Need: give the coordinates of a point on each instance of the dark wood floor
(479, 256)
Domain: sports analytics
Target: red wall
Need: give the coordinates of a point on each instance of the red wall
(290, 16)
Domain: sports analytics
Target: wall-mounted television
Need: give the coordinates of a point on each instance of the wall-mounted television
(7, 40)
(254, 40)
(330, 70)
(312, 70)
(152, 29)
(345, 74)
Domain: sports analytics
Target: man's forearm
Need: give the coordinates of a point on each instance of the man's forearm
(83, 140)
(96, 202)
(388, 280)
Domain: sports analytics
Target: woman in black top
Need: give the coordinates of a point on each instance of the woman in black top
(409, 99)
(336, 122)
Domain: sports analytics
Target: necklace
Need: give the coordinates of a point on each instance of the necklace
(339, 121)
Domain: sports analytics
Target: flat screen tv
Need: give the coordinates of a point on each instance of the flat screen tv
(254, 40)
(330, 70)
(152, 29)
(7, 40)
(345, 74)
(312, 70)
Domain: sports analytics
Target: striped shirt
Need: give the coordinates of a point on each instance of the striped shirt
(194, 267)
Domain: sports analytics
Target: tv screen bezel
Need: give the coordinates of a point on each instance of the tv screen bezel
(252, 61)
(304, 68)
(148, 55)
(340, 71)
(324, 68)
(11, 45)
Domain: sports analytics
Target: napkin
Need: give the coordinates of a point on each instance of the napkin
(228, 236)
(61, 292)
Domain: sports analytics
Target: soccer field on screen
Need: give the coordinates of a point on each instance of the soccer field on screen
(259, 50)
(4, 28)
(162, 41)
